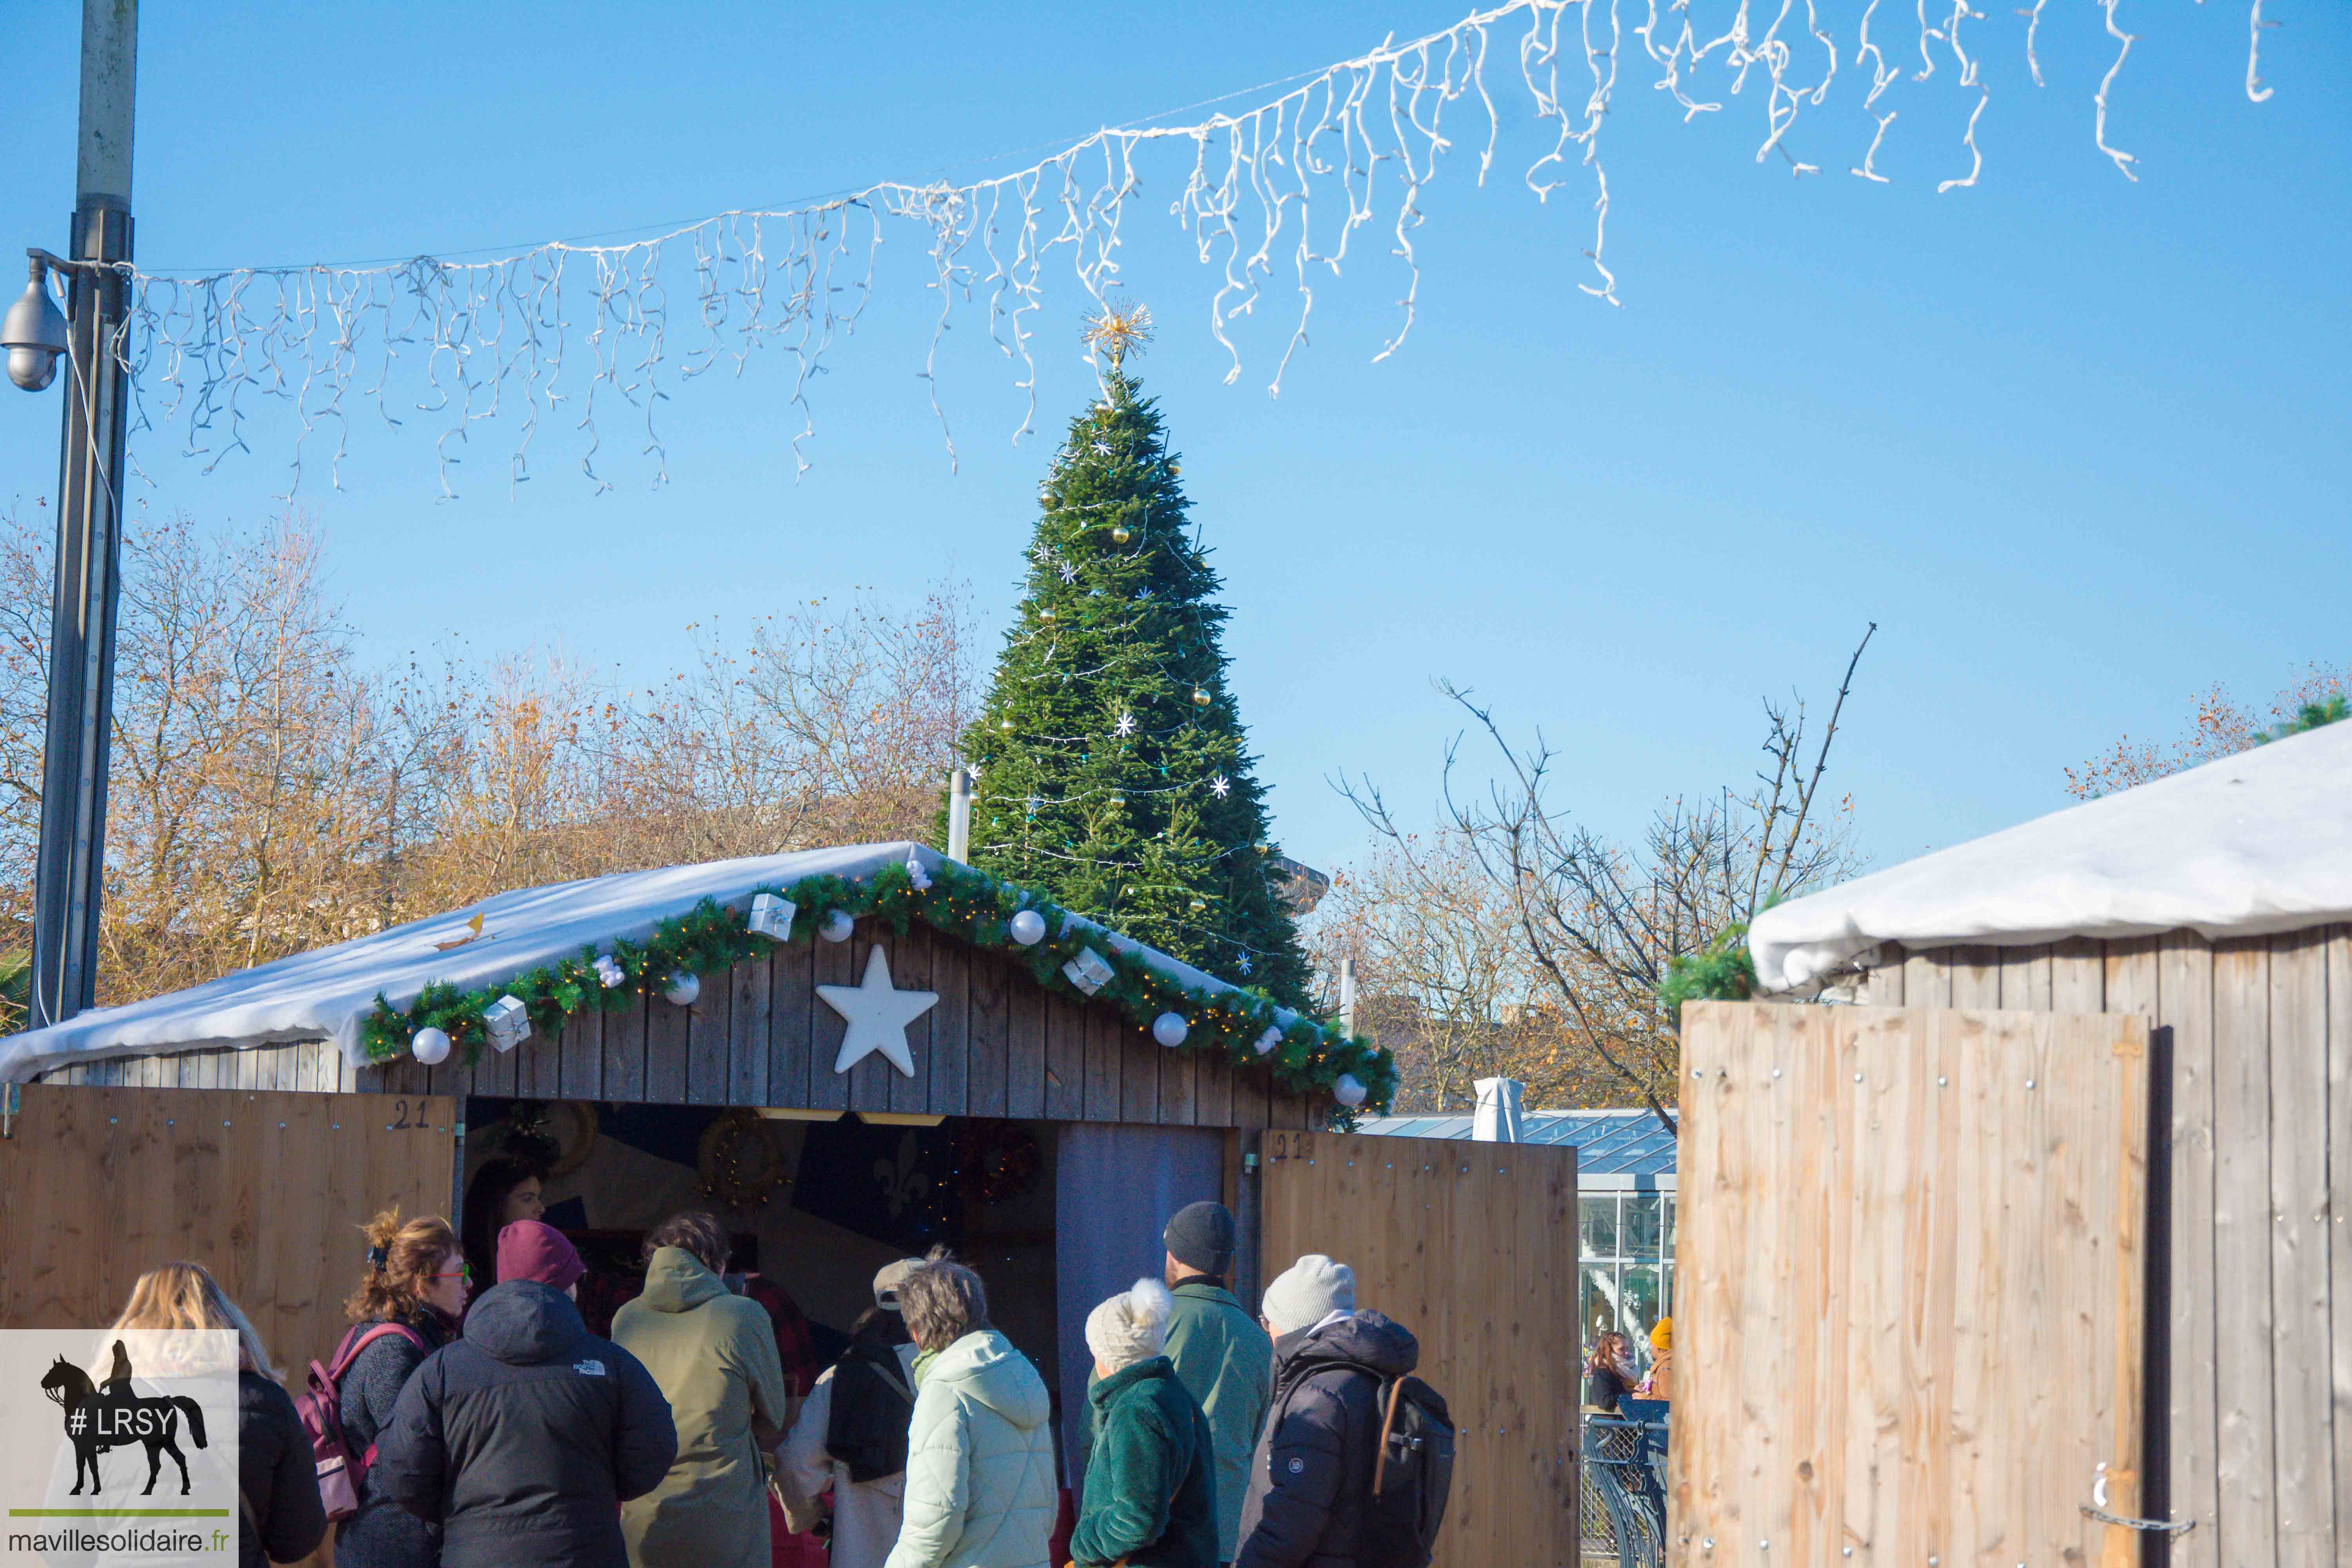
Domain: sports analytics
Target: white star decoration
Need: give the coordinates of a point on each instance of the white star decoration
(877, 1017)
(1126, 725)
(1242, 964)
(1103, 447)
(1069, 573)
(1218, 786)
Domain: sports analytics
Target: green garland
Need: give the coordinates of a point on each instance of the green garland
(964, 903)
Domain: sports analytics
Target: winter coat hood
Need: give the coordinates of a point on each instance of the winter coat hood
(678, 1281)
(524, 1323)
(983, 1366)
(1361, 1339)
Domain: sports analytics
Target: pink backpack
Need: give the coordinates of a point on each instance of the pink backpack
(321, 1409)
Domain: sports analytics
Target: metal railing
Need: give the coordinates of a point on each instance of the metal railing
(1624, 1508)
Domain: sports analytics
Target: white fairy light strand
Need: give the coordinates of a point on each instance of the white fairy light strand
(568, 330)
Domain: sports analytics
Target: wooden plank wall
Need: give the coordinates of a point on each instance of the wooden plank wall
(105, 1184)
(1881, 1211)
(2256, 1355)
(997, 1043)
(1472, 1246)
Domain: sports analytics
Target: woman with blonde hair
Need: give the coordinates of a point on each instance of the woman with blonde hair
(411, 1295)
(280, 1518)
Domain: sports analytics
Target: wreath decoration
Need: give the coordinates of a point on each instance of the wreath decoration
(573, 1125)
(740, 1162)
(1003, 1159)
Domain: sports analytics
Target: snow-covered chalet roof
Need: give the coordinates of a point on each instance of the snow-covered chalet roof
(2255, 843)
(327, 993)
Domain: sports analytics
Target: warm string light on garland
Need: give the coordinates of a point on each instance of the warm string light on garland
(1047, 941)
(571, 331)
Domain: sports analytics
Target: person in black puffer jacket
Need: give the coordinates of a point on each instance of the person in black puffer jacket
(415, 1278)
(524, 1438)
(1312, 1475)
(277, 1476)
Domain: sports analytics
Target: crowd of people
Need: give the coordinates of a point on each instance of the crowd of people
(495, 1430)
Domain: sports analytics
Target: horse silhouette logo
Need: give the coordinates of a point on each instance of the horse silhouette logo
(98, 1417)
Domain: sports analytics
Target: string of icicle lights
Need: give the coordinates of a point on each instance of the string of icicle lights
(578, 334)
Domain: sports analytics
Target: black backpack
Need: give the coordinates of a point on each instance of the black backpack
(1410, 1477)
(872, 1409)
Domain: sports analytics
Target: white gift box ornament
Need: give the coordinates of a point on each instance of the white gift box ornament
(837, 925)
(508, 1022)
(1170, 1029)
(1271, 1038)
(1350, 1090)
(609, 972)
(430, 1047)
(682, 989)
(1087, 971)
(771, 917)
(1028, 927)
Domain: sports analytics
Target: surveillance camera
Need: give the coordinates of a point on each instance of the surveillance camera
(34, 333)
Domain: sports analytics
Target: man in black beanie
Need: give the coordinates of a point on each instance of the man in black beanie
(1223, 1358)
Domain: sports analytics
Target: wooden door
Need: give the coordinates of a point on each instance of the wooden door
(1473, 1247)
(1908, 1315)
(267, 1189)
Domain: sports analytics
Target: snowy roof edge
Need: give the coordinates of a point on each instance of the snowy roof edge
(2250, 845)
(326, 993)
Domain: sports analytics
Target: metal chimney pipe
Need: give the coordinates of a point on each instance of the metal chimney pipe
(959, 815)
(1348, 995)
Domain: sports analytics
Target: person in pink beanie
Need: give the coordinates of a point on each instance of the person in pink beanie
(531, 1249)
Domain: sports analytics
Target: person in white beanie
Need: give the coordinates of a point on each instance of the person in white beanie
(851, 1437)
(1314, 1464)
(1150, 1487)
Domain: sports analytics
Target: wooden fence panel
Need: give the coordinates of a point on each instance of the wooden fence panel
(106, 1183)
(1877, 1205)
(1473, 1247)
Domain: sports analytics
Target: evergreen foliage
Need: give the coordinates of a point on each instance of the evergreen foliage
(2310, 716)
(1113, 768)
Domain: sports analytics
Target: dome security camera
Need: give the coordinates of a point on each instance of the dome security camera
(34, 333)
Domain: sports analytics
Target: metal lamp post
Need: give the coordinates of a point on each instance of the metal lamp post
(69, 880)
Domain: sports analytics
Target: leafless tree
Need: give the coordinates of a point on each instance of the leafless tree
(1602, 921)
(271, 792)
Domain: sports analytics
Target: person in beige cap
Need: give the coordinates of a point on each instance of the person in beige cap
(851, 1435)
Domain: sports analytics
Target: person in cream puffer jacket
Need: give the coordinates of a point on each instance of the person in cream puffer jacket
(980, 1458)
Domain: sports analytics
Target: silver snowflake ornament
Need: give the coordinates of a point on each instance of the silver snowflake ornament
(1142, 594)
(1219, 788)
(1102, 446)
(1126, 725)
(1242, 964)
(1069, 573)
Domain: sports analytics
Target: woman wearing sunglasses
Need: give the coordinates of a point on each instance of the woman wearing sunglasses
(407, 1306)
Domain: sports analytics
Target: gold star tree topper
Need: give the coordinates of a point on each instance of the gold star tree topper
(1115, 330)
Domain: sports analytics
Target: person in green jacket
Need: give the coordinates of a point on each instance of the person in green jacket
(1150, 1498)
(714, 1354)
(1222, 1356)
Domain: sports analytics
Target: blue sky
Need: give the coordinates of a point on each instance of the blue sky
(2079, 446)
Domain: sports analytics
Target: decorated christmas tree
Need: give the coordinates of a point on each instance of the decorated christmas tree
(1113, 770)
